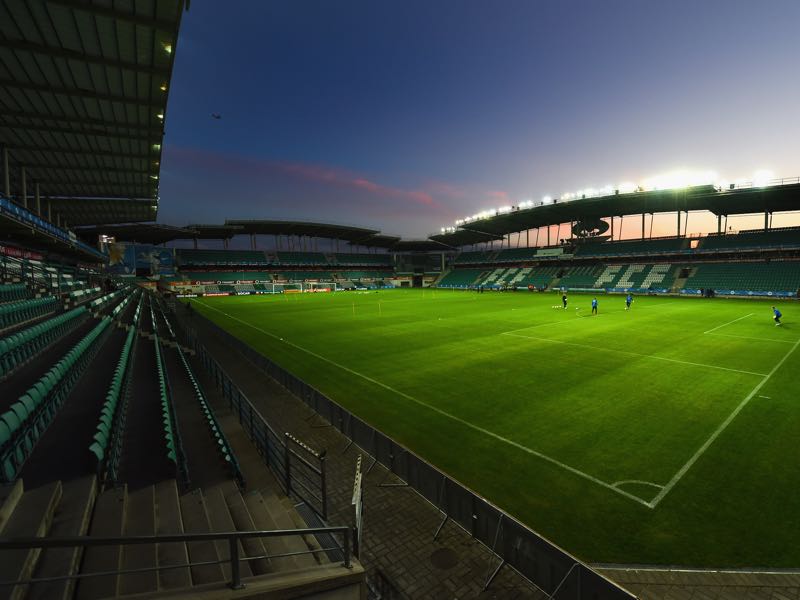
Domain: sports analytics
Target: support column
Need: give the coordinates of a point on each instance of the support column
(612, 229)
(679, 223)
(49, 212)
(548, 235)
(719, 224)
(6, 178)
(527, 238)
(766, 220)
(195, 243)
(24, 190)
(642, 225)
(225, 243)
(252, 241)
(38, 199)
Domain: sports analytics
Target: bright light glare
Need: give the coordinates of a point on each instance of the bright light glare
(679, 180)
(763, 177)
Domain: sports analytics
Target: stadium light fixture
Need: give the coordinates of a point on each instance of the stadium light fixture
(547, 199)
(168, 48)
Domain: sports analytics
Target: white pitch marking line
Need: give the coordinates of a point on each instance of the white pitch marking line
(729, 323)
(638, 481)
(626, 352)
(758, 339)
(677, 477)
(444, 413)
(765, 397)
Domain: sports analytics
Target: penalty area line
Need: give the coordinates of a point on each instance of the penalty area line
(444, 413)
(700, 451)
(729, 323)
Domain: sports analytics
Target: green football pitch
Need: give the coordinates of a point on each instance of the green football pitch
(667, 434)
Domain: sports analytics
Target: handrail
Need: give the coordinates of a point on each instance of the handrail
(233, 538)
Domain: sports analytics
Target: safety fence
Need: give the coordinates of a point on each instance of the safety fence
(300, 470)
(547, 566)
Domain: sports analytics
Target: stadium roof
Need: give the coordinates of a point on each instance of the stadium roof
(146, 233)
(85, 86)
(379, 240)
(320, 230)
(777, 198)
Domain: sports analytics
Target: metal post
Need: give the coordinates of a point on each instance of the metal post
(679, 223)
(287, 464)
(642, 225)
(766, 220)
(719, 224)
(49, 212)
(6, 178)
(527, 238)
(324, 485)
(24, 191)
(236, 576)
(548, 235)
(38, 199)
(347, 563)
(195, 243)
(612, 228)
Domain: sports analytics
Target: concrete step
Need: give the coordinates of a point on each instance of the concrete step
(32, 517)
(195, 520)
(168, 512)
(9, 497)
(244, 522)
(264, 521)
(311, 542)
(282, 520)
(108, 520)
(141, 520)
(72, 518)
(221, 520)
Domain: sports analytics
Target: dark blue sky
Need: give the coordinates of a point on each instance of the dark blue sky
(407, 115)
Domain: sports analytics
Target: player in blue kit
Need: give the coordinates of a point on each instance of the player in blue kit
(776, 316)
(628, 301)
(594, 306)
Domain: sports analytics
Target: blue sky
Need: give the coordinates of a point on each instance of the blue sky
(405, 116)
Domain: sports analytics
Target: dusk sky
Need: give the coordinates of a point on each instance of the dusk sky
(405, 116)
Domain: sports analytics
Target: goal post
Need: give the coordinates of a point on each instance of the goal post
(320, 286)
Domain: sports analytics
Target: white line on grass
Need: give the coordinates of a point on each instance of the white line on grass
(441, 412)
(729, 323)
(677, 477)
(616, 484)
(759, 339)
(628, 353)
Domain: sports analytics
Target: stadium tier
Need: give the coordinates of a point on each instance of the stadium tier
(302, 258)
(753, 240)
(473, 258)
(460, 278)
(632, 248)
(357, 260)
(776, 276)
(515, 255)
(218, 258)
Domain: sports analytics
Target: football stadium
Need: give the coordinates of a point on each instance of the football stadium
(588, 396)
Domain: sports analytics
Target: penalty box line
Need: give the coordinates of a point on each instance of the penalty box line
(629, 353)
(444, 413)
(700, 451)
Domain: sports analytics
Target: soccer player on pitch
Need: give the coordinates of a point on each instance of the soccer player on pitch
(564, 300)
(776, 316)
(628, 301)
(594, 306)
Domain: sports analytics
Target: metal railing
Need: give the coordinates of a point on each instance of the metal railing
(234, 538)
(301, 470)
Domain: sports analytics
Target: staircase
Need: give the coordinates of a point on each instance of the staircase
(680, 282)
(292, 566)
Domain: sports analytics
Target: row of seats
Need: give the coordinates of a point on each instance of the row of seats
(171, 435)
(224, 447)
(474, 258)
(108, 414)
(221, 257)
(26, 421)
(17, 348)
(778, 276)
(14, 313)
(752, 239)
(361, 259)
(13, 291)
(460, 278)
(632, 247)
(79, 295)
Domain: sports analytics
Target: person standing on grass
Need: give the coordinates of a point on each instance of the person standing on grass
(776, 316)
(594, 306)
(564, 301)
(628, 301)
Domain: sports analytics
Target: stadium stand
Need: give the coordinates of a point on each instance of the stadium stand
(474, 258)
(227, 276)
(632, 248)
(302, 258)
(775, 276)
(515, 255)
(220, 258)
(752, 240)
(460, 278)
(583, 276)
(357, 260)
